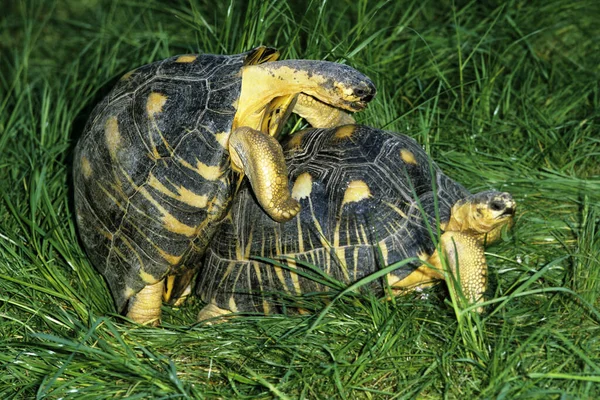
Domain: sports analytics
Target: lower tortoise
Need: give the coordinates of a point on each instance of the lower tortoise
(369, 198)
(157, 165)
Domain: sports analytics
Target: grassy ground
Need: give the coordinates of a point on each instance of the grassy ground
(504, 95)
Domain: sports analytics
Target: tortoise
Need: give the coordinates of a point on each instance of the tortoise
(369, 198)
(158, 162)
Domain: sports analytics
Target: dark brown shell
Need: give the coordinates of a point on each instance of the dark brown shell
(369, 199)
(151, 171)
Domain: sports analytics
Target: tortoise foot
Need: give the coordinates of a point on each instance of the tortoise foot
(144, 307)
(211, 311)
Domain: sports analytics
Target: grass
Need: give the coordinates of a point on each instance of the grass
(504, 95)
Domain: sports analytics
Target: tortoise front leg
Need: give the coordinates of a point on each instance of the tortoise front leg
(260, 157)
(466, 259)
(144, 307)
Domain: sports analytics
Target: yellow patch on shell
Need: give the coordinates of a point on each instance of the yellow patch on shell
(86, 167)
(294, 276)
(170, 258)
(384, 252)
(396, 209)
(340, 253)
(222, 138)
(128, 292)
(296, 140)
(174, 225)
(147, 278)
(345, 132)
(183, 194)
(356, 191)
(170, 223)
(302, 187)
(127, 75)
(232, 305)
(112, 136)
(266, 307)
(186, 58)
(155, 103)
(408, 157)
(105, 233)
(392, 279)
(208, 172)
(188, 197)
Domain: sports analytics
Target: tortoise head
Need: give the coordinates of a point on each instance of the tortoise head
(336, 84)
(483, 215)
(269, 93)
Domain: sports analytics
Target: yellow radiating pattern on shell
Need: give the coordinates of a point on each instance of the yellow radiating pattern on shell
(127, 75)
(294, 276)
(384, 251)
(296, 140)
(345, 132)
(408, 157)
(112, 136)
(128, 292)
(302, 187)
(186, 58)
(86, 167)
(232, 305)
(176, 226)
(170, 223)
(183, 194)
(155, 103)
(208, 172)
(170, 258)
(222, 138)
(356, 191)
(147, 278)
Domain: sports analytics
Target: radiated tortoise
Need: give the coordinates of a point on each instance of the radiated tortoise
(158, 162)
(363, 192)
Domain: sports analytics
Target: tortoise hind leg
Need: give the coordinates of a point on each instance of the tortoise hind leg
(210, 311)
(144, 307)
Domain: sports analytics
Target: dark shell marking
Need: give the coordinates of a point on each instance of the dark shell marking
(357, 188)
(151, 171)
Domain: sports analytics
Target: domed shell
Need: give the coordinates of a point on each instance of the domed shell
(151, 171)
(369, 199)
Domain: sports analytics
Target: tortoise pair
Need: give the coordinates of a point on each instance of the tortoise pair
(162, 156)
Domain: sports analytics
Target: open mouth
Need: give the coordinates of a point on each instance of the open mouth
(508, 212)
(367, 97)
(358, 105)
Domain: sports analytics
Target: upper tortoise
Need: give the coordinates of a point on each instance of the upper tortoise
(157, 165)
(364, 192)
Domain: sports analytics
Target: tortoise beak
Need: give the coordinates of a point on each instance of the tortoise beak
(365, 94)
(508, 212)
